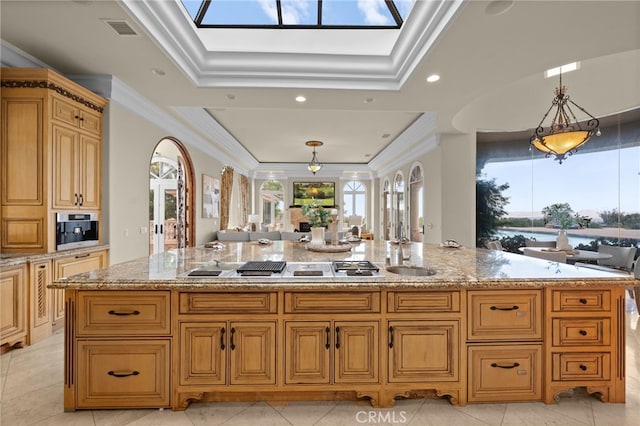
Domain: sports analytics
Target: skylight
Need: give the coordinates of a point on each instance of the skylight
(288, 14)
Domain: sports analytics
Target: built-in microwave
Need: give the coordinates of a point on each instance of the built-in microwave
(74, 230)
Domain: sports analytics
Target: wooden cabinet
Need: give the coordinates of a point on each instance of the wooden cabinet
(13, 301)
(244, 349)
(51, 143)
(331, 352)
(76, 165)
(40, 299)
(424, 351)
(504, 344)
(584, 348)
(118, 349)
(72, 265)
(505, 373)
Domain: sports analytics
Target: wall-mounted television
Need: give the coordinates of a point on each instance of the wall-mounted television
(306, 192)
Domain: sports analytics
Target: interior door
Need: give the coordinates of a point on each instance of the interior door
(163, 215)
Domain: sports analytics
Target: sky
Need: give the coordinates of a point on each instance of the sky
(595, 181)
(302, 12)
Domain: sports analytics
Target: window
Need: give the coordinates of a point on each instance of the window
(297, 13)
(398, 206)
(416, 214)
(354, 200)
(272, 203)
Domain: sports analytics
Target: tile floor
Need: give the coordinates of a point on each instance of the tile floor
(31, 394)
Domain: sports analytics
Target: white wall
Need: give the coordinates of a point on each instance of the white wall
(129, 143)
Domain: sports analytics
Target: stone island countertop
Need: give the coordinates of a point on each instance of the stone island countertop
(453, 268)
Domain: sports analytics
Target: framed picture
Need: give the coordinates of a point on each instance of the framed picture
(210, 197)
(306, 192)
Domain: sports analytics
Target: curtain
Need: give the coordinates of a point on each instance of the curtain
(226, 183)
(244, 198)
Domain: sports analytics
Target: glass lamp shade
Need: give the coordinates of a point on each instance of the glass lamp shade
(559, 144)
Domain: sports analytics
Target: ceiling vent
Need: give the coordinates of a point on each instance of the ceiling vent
(121, 27)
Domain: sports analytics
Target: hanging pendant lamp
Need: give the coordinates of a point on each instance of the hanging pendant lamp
(314, 165)
(565, 134)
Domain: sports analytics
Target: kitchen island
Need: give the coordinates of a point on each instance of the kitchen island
(470, 325)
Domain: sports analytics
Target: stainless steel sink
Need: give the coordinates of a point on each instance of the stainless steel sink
(412, 271)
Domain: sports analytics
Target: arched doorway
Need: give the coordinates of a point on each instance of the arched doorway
(171, 212)
(416, 212)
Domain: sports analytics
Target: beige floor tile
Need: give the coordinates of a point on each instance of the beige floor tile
(163, 418)
(491, 414)
(119, 417)
(258, 414)
(305, 413)
(215, 413)
(536, 414)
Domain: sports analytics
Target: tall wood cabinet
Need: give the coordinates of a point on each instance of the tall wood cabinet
(51, 144)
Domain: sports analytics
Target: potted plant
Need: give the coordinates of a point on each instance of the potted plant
(319, 218)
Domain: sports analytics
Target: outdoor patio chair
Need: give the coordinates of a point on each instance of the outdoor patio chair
(555, 256)
(534, 243)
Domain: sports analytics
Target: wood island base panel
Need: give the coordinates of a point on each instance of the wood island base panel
(144, 334)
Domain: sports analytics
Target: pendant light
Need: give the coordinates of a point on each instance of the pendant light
(565, 134)
(314, 165)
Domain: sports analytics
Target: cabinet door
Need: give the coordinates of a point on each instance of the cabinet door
(356, 352)
(13, 327)
(252, 347)
(39, 300)
(308, 351)
(424, 351)
(89, 173)
(203, 349)
(65, 164)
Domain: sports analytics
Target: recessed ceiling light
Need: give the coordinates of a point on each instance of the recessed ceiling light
(498, 7)
(231, 96)
(385, 135)
(158, 71)
(433, 78)
(369, 100)
(300, 99)
(562, 69)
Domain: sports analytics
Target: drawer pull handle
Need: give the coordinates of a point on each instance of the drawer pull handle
(337, 337)
(583, 301)
(80, 256)
(513, 308)
(222, 331)
(121, 314)
(328, 344)
(233, 331)
(390, 337)
(114, 374)
(514, 365)
(582, 332)
(583, 367)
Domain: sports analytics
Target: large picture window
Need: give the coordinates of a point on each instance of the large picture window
(354, 195)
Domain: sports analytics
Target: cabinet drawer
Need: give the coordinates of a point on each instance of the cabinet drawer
(572, 332)
(581, 366)
(581, 300)
(76, 115)
(505, 315)
(339, 302)
(505, 373)
(228, 303)
(123, 313)
(437, 301)
(123, 373)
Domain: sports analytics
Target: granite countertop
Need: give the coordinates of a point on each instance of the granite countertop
(454, 268)
(13, 259)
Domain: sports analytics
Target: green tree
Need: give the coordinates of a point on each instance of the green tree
(490, 204)
(559, 214)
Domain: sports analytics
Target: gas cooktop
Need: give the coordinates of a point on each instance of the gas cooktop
(281, 269)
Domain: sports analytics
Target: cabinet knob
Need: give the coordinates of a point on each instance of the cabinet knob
(583, 367)
(583, 332)
(583, 301)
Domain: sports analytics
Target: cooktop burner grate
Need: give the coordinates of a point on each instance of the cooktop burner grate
(359, 265)
(266, 266)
